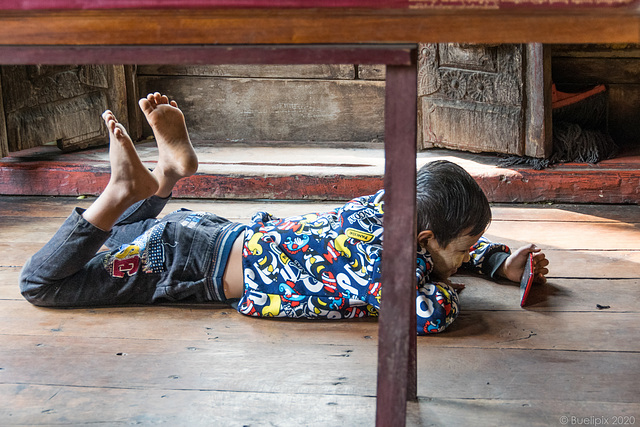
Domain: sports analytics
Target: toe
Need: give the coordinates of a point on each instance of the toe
(152, 100)
(111, 125)
(108, 115)
(146, 105)
(119, 130)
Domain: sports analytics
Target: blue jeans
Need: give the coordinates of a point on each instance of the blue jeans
(180, 257)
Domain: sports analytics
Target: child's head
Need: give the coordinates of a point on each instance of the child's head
(452, 211)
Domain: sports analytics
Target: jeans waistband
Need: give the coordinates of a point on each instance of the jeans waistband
(221, 248)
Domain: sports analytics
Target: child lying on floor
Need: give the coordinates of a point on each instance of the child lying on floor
(322, 265)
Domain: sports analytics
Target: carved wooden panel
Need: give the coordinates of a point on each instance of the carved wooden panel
(471, 97)
(4, 145)
(61, 103)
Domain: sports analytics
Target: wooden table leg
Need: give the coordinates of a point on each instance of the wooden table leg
(397, 324)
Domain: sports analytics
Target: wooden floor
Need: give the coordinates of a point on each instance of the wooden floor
(498, 365)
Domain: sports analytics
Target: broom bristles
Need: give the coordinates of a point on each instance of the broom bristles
(580, 133)
(589, 113)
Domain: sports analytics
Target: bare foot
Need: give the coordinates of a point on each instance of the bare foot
(176, 157)
(130, 180)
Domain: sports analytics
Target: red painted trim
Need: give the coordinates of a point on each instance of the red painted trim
(617, 184)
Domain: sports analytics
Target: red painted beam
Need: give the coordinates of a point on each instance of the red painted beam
(562, 184)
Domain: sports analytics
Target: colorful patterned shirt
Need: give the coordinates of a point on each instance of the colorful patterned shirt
(328, 265)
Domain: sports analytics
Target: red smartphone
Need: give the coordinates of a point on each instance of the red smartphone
(526, 281)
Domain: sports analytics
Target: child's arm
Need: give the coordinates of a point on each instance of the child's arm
(496, 260)
(513, 266)
(487, 257)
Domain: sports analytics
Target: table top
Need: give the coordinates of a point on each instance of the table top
(279, 4)
(178, 22)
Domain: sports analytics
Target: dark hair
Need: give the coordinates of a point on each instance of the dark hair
(449, 202)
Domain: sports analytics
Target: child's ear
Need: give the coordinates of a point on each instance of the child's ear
(424, 237)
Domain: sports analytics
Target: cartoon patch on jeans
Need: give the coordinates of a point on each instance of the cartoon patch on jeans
(146, 252)
(193, 219)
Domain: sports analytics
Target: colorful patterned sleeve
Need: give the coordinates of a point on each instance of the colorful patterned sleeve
(436, 307)
(487, 256)
(361, 219)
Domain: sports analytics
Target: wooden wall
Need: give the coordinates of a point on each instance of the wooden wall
(343, 103)
(346, 103)
(274, 103)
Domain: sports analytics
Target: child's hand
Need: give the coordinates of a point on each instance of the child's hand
(513, 266)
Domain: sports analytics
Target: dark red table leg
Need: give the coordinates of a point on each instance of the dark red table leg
(397, 330)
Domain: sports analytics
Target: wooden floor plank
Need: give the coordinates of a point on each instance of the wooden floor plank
(550, 234)
(63, 405)
(521, 329)
(506, 412)
(188, 322)
(566, 213)
(615, 264)
(42, 404)
(309, 368)
(557, 295)
(498, 364)
(543, 330)
(558, 235)
(9, 288)
(38, 206)
(15, 255)
(60, 207)
(481, 293)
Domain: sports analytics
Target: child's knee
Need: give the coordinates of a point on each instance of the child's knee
(34, 292)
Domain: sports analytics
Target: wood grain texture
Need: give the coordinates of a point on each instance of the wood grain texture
(295, 4)
(568, 70)
(4, 142)
(397, 352)
(327, 72)
(604, 376)
(486, 328)
(62, 104)
(578, 236)
(201, 364)
(50, 404)
(472, 97)
(23, 207)
(239, 109)
(208, 54)
(537, 87)
(238, 26)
